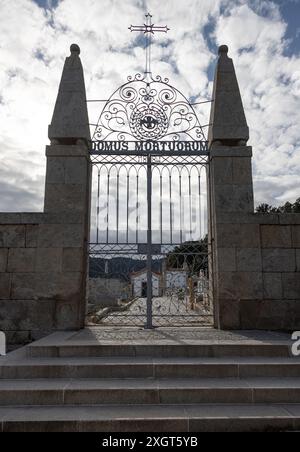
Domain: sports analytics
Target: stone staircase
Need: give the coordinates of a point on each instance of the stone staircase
(171, 383)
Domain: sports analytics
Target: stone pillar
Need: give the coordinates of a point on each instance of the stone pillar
(231, 192)
(67, 192)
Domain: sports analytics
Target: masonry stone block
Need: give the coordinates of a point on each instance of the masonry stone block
(3, 259)
(272, 286)
(241, 171)
(76, 170)
(227, 259)
(240, 285)
(65, 197)
(10, 218)
(296, 236)
(276, 236)
(32, 231)
(249, 259)
(298, 260)
(290, 218)
(291, 286)
(234, 198)
(59, 235)
(66, 315)
(73, 260)
(21, 260)
(35, 286)
(270, 314)
(229, 310)
(12, 236)
(5, 286)
(222, 170)
(56, 170)
(238, 235)
(279, 260)
(49, 260)
(26, 315)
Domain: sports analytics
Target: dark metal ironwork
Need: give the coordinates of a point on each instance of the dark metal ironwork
(148, 250)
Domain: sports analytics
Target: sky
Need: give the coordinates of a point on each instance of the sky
(264, 41)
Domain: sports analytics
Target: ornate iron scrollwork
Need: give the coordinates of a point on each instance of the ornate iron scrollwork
(148, 109)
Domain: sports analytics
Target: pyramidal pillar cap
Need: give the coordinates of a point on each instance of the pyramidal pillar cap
(70, 122)
(228, 124)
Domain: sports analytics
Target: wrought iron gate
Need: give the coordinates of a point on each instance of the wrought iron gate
(149, 250)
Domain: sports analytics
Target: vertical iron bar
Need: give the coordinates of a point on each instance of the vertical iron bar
(137, 209)
(200, 206)
(171, 222)
(127, 226)
(180, 199)
(108, 195)
(149, 324)
(190, 205)
(161, 213)
(98, 206)
(118, 189)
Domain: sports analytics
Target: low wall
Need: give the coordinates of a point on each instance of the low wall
(258, 271)
(42, 279)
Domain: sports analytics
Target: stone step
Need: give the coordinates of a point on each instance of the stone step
(149, 391)
(147, 367)
(152, 418)
(207, 350)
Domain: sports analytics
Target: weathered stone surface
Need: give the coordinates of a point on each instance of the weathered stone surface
(25, 315)
(238, 235)
(3, 259)
(222, 170)
(249, 259)
(241, 171)
(49, 260)
(76, 170)
(298, 260)
(270, 315)
(5, 284)
(229, 314)
(279, 260)
(296, 236)
(234, 198)
(12, 236)
(32, 232)
(77, 150)
(291, 286)
(289, 218)
(248, 218)
(59, 235)
(62, 198)
(240, 285)
(272, 286)
(276, 236)
(55, 170)
(227, 259)
(66, 316)
(21, 260)
(73, 260)
(45, 286)
(10, 218)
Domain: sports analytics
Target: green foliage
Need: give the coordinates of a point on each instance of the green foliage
(286, 208)
(190, 256)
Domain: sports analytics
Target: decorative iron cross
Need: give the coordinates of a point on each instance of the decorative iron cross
(149, 29)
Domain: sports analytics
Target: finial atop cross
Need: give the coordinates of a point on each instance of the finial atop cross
(149, 29)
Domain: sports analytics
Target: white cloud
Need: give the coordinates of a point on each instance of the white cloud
(34, 43)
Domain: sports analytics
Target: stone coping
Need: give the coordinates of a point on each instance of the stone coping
(259, 218)
(227, 151)
(40, 218)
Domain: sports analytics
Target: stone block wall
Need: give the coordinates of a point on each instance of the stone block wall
(257, 271)
(42, 274)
